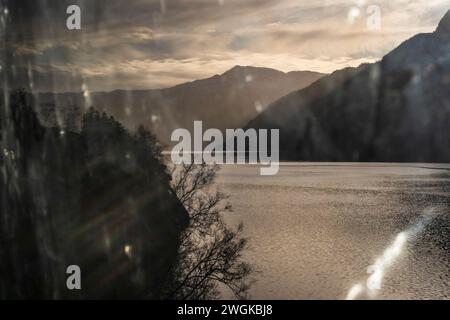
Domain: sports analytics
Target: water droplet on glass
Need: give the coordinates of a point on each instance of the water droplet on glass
(128, 249)
(258, 106)
(155, 118)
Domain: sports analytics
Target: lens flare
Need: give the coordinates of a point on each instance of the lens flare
(387, 259)
(355, 291)
(382, 263)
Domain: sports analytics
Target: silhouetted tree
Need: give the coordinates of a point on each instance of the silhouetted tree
(100, 199)
(210, 255)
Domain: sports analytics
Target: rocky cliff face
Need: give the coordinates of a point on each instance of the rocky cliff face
(99, 199)
(395, 110)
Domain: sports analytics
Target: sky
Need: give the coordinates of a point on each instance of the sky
(145, 44)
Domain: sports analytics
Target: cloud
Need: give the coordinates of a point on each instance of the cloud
(158, 43)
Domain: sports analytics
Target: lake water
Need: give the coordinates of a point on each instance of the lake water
(337, 231)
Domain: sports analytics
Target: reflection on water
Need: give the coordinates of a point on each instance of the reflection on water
(333, 231)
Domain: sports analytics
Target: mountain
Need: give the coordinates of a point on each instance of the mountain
(395, 110)
(223, 101)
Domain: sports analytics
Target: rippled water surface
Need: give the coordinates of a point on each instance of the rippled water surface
(315, 230)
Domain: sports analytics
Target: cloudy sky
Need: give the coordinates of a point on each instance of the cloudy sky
(142, 44)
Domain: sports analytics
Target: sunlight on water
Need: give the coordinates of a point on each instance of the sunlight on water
(314, 229)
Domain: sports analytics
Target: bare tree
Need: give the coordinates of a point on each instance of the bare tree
(210, 251)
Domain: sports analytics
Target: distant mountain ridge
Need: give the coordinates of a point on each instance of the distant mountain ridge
(395, 110)
(223, 101)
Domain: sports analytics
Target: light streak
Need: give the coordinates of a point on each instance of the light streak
(382, 263)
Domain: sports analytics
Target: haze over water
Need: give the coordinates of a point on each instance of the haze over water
(314, 229)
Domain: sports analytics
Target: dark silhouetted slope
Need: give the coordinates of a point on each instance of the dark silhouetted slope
(395, 110)
(99, 199)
